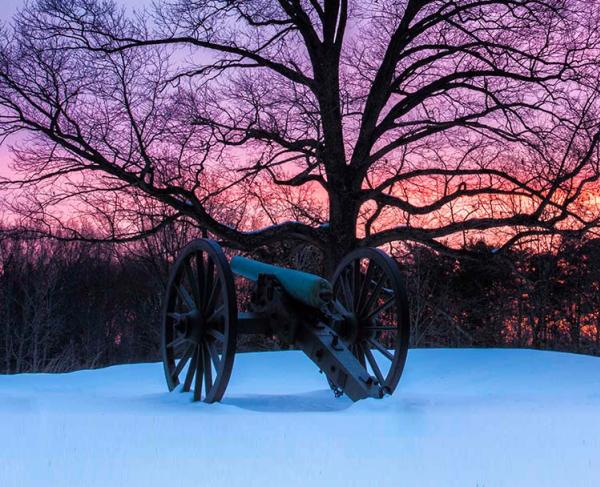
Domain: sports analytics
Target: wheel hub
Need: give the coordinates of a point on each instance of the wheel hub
(348, 327)
(353, 329)
(192, 325)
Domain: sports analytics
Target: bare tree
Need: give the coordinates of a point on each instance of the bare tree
(414, 120)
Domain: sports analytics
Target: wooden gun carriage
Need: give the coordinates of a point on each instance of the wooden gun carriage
(355, 328)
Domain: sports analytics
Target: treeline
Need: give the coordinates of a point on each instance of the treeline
(66, 306)
(543, 300)
(72, 305)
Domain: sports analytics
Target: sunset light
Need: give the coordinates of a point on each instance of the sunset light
(337, 181)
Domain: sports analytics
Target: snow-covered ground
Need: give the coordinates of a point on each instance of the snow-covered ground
(459, 417)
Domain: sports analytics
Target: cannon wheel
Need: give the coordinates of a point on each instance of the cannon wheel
(199, 322)
(369, 289)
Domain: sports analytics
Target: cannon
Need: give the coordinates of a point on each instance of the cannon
(354, 327)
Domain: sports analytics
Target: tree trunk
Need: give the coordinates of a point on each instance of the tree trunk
(343, 211)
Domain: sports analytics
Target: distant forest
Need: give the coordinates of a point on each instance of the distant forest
(71, 305)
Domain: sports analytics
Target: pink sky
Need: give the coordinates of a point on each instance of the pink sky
(8, 9)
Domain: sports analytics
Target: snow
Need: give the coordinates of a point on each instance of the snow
(459, 417)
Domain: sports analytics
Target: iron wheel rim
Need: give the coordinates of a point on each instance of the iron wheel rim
(199, 322)
(380, 309)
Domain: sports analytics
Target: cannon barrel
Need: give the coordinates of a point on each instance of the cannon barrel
(307, 288)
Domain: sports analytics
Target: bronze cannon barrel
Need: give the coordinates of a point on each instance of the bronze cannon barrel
(307, 288)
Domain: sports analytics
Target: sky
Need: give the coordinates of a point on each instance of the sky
(7, 9)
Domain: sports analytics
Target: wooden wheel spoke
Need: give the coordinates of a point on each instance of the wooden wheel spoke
(374, 365)
(384, 351)
(184, 360)
(214, 356)
(194, 284)
(201, 278)
(207, 370)
(356, 284)
(216, 313)
(199, 374)
(190, 372)
(382, 307)
(185, 297)
(374, 294)
(365, 285)
(214, 294)
(209, 285)
(176, 342)
(217, 335)
(387, 290)
(340, 307)
(348, 298)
